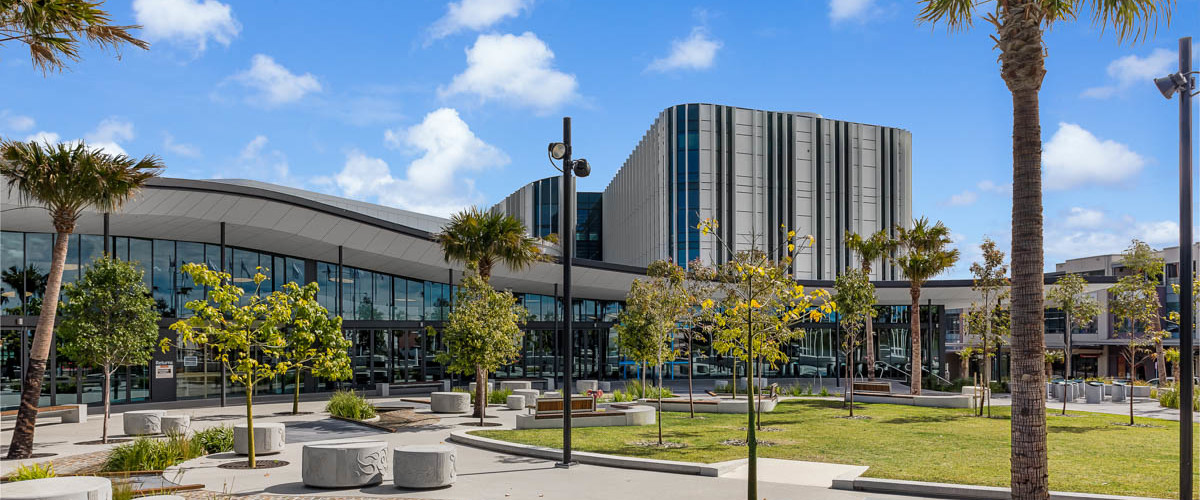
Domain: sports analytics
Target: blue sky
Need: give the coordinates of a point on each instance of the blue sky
(433, 105)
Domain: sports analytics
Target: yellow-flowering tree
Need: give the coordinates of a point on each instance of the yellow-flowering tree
(315, 342)
(760, 308)
(245, 333)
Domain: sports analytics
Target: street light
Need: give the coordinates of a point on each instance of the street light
(566, 239)
(1182, 83)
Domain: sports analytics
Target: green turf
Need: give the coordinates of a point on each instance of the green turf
(1089, 453)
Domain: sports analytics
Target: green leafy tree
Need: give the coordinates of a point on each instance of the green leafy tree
(760, 309)
(1134, 302)
(854, 296)
(66, 179)
(28, 284)
(925, 253)
(482, 334)
(481, 239)
(245, 330)
(53, 30)
(314, 340)
(109, 321)
(654, 308)
(1020, 25)
(991, 283)
(1080, 309)
(877, 247)
(964, 357)
(697, 322)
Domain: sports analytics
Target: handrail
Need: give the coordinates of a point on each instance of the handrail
(909, 374)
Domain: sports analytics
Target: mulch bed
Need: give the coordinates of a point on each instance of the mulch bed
(856, 417)
(403, 418)
(33, 455)
(764, 429)
(743, 442)
(666, 445)
(484, 424)
(110, 441)
(259, 464)
(84, 463)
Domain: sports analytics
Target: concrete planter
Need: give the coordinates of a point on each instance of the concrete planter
(515, 402)
(344, 465)
(268, 438)
(450, 402)
(582, 386)
(530, 395)
(1094, 393)
(515, 384)
(1141, 391)
(176, 424)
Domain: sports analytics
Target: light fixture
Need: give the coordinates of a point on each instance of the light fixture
(581, 167)
(557, 150)
(1174, 82)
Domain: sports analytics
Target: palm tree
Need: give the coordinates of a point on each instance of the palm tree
(1019, 28)
(53, 29)
(925, 255)
(481, 239)
(66, 179)
(875, 247)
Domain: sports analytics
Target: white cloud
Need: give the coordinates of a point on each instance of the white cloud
(254, 147)
(844, 10)
(515, 69)
(275, 83)
(1132, 70)
(1084, 218)
(1074, 157)
(988, 186)
(189, 22)
(437, 181)
(256, 161)
(42, 137)
(475, 15)
(1158, 233)
(697, 51)
(181, 149)
(108, 133)
(14, 122)
(964, 198)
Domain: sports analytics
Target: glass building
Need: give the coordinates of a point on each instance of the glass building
(536, 205)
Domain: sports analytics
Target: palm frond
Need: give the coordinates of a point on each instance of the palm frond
(956, 14)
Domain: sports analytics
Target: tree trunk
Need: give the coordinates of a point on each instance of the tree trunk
(659, 396)
(733, 381)
(870, 347)
(849, 388)
(1022, 68)
(751, 440)
(107, 404)
(21, 445)
(691, 399)
(985, 382)
(914, 317)
(250, 426)
(481, 395)
(1160, 364)
(296, 395)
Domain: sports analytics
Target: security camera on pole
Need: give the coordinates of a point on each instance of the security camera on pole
(566, 239)
(1184, 83)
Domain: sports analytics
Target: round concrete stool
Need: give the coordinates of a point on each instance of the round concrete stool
(515, 384)
(142, 422)
(531, 395)
(60, 488)
(268, 438)
(450, 402)
(344, 465)
(471, 386)
(176, 424)
(515, 402)
(582, 386)
(424, 466)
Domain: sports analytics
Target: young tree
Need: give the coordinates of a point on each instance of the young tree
(1134, 302)
(66, 179)
(697, 322)
(109, 321)
(759, 313)
(481, 239)
(964, 358)
(482, 334)
(991, 283)
(1054, 356)
(925, 255)
(855, 299)
(1080, 309)
(244, 330)
(1019, 28)
(315, 342)
(993, 326)
(654, 308)
(53, 29)
(879, 246)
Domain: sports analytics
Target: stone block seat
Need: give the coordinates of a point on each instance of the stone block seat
(515, 402)
(70, 414)
(531, 396)
(60, 488)
(268, 438)
(586, 413)
(142, 422)
(424, 466)
(515, 384)
(176, 424)
(344, 465)
(450, 402)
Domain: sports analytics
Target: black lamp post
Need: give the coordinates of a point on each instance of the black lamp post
(566, 240)
(1183, 83)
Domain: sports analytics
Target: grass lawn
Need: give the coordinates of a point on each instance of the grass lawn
(1088, 453)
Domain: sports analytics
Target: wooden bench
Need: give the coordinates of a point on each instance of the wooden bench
(553, 408)
(885, 387)
(70, 414)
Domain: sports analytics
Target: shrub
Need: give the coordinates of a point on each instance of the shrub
(648, 391)
(824, 392)
(214, 439)
(619, 396)
(499, 397)
(797, 390)
(348, 404)
(33, 471)
(152, 454)
(1169, 397)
